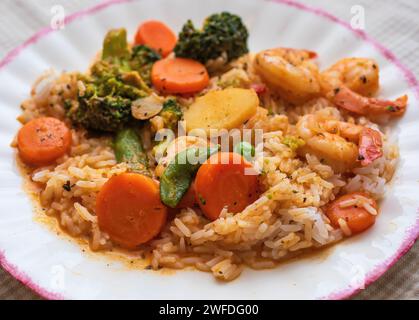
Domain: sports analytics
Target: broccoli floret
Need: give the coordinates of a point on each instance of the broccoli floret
(105, 102)
(142, 59)
(113, 84)
(104, 114)
(171, 114)
(222, 33)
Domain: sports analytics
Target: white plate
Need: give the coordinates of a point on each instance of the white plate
(56, 267)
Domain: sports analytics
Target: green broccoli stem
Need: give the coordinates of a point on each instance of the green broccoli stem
(115, 44)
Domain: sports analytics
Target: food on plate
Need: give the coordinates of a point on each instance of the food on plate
(222, 38)
(221, 109)
(129, 209)
(178, 175)
(290, 72)
(353, 212)
(191, 151)
(210, 185)
(157, 36)
(43, 140)
(351, 82)
(179, 75)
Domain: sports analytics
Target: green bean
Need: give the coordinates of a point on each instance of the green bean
(128, 148)
(178, 175)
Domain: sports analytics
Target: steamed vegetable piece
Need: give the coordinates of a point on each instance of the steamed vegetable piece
(171, 114)
(179, 75)
(115, 44)
(353, 214)
(129, 209)
(157, 36)
(105, 102)
(148, 107)
(245, 149)
(224, 109)
(128, 148)
(178, 175)
(106, 95)
(142, 60)
(221, 34)
(43, 140)
(188, 199)
(223, 181)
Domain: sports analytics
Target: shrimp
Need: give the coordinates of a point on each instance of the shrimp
(349, 100)
(291, 72)
(341, 145)
(351, 82)
(359, 75)
(370, 146)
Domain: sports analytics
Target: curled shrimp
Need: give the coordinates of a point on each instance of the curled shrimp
(290, 72)
(341, 145)
(351, 82)
(359, 75)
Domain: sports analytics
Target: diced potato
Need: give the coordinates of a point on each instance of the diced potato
(224, 109)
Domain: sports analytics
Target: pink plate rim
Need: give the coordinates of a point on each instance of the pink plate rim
(411, 234)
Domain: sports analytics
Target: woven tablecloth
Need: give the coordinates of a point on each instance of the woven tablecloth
(393, 23)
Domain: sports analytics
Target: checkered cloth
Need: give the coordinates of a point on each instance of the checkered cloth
(391, 23)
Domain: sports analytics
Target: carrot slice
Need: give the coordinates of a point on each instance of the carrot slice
(223, 181)
(356, 217)
(43, 140)
(129, 209)
(188, 200)
(179, 75)
(157, 36)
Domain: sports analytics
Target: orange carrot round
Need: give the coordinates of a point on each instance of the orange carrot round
(223, 181)
(43, 140)
(157, 36)
(188, 200)
(356, 217)
(129, 209)
(179, 75)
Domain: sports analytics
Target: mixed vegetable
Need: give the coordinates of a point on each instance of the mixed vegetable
(177, 178)
(139, 85)
(223, 35)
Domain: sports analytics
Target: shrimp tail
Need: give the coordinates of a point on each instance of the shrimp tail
(395, 108)
(349, 100)
(370, 146)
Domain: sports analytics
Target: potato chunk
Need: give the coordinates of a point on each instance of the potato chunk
(224, 109)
